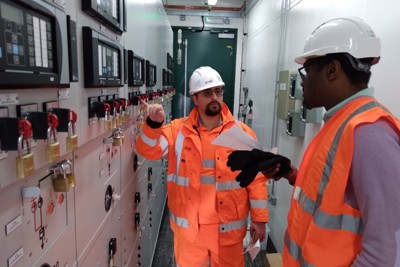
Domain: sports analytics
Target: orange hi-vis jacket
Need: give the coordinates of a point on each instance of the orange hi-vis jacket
(323, 230)
(180, 141)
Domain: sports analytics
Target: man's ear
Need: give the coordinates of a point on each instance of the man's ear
(194, 98)
(333, 70)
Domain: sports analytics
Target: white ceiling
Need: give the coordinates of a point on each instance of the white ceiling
(228, 8)
(197, 3)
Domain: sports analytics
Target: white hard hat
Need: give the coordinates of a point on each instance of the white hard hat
(204, 78)
(342, 35)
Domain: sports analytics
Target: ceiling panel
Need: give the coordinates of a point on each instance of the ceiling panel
(227, 8)
(198, 3)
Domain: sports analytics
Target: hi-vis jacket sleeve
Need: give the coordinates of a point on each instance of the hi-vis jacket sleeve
(258, 197)
(152, 143)
(257, 191)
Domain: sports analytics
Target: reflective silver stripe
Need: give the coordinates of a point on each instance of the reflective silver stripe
(332, 151)
(322, 219)
(306, 203)
(164, 145)
(179, 180)
(339, 222)
(295, 251)
(178, 149)
(208, 179)
(182, 222)
(206, 263)
(147, 140)
(258, 204)
(208, 163)
(231, 226)
(228, 185)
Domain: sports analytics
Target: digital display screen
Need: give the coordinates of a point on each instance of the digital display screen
(137, 75)
(108, 61)
(151, 73)
(11, 13)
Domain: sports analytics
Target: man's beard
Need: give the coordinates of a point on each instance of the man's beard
(213, 111)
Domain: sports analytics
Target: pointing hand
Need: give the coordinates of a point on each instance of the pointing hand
(154, 111)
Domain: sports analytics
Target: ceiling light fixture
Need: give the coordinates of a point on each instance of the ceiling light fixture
(212, 2)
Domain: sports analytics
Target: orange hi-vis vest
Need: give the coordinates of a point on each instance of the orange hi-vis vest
(323, 230)
(181, 143)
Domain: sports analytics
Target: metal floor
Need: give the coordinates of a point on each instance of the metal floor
(163, 255)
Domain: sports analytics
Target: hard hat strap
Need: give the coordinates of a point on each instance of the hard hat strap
(357, 64)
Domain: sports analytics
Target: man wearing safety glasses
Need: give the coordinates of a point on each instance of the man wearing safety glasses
(208, 208)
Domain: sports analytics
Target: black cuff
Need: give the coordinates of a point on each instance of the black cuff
(153, 124)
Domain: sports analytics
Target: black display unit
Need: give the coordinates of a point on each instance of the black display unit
(110, 12)
(165, 77)
(151, 74)
(33, 45)
(170, 79)
(102, 58)
(135, 69)
(72, 50)
(170, 62)
(125, 66)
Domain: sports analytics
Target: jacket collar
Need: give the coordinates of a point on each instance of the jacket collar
(193, 117)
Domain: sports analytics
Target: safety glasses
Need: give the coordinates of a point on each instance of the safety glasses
(303, 72)
(209, 92)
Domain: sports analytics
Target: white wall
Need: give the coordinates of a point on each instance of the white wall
(262, 61)
(235, 23)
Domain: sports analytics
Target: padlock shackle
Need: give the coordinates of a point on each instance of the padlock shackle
(71, 128)
(51, 133)
(73, 117)
(21, 141)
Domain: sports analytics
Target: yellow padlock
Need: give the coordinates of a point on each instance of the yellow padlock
(72, 138)
(52, 152)
(60, 179)
(67, 168)
(72, 143)
(118, 137)
(71, 179)
(60, 183)
(107, 125)
(114, 121)
(24, 162)
(25, 165)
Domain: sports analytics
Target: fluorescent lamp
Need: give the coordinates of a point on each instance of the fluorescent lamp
(212, 2)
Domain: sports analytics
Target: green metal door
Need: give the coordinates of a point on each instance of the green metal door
(211, 47)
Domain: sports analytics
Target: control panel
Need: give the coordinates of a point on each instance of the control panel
(102, 60)
(135, 69)
(151, 74)
(31, 50)
(110, 12)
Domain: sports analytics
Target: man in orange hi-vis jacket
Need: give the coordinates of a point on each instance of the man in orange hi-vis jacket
(345, 204)
(208, 208)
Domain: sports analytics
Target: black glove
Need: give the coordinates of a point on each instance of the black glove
(239, 159)
(252, 162)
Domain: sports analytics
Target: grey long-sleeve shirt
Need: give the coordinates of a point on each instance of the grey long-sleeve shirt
(374, 188)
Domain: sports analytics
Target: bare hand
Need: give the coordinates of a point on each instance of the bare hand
(270, 172)
(154, 111)
(257, 231)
